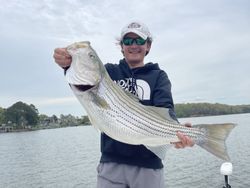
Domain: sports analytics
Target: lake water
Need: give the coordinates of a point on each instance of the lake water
(68, 157)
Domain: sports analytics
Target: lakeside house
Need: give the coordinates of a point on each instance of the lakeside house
(5, 128)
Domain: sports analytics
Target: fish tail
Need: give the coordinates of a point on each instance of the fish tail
(215, 138)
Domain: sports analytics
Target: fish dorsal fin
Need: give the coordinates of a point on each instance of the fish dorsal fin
(162, 112)
(132, 96)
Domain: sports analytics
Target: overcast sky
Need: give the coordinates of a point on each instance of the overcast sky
(204, 46)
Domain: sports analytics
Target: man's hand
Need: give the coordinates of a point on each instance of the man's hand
(185, 141)
(62, 57)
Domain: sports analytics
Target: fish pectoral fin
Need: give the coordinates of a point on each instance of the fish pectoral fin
(99, 101)
(160, 151)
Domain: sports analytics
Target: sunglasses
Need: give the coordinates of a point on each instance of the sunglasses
(129, 41)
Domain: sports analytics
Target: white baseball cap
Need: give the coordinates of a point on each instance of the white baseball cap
(138, 28)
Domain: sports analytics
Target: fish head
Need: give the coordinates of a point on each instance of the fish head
(86, 68)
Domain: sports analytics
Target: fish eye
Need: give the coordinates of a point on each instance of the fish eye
(91, 55)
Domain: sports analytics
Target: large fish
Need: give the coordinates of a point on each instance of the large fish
(121, 116)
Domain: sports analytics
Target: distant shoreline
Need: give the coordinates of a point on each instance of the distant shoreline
(82, 125)
(37, 129)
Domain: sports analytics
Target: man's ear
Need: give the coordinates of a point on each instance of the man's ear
(121, 48)
(148, 48)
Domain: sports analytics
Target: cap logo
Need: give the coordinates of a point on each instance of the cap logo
(134, 25)
(138, 28)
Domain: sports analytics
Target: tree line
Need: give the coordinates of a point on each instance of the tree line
(208, 109)
(22, 116)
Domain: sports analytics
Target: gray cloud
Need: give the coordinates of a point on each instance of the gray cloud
(203, 46)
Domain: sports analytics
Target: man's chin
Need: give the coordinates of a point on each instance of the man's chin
(135, 59)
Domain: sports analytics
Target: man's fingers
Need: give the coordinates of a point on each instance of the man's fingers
(178, 145)
(62, 57)
(63, 63)
(184, 141)
(188, 124)
(190, 142)
(62, 52)
(59, 57)
(182, 138)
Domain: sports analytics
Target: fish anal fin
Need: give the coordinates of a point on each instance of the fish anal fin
(159, 151)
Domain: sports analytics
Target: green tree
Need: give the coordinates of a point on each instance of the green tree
(22, 114)
(54, 119)
(84, 120)
(1, 115)
(68, 120)
(43, 117)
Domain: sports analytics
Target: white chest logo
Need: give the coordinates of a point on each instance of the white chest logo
(143, 90)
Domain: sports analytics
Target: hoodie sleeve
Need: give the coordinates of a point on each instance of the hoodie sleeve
(162, 96)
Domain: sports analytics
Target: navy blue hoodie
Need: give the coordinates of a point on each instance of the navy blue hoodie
(152, 86)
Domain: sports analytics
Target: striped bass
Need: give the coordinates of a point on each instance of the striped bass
(121, 116)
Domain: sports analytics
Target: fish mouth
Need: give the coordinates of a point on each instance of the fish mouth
(83, 87)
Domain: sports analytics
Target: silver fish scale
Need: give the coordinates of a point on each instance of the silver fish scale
(135, 122)
(124, 123)
(123, 118)
(129, 118)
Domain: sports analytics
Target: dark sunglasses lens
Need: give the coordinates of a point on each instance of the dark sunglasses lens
(127, 41)
(140, 41)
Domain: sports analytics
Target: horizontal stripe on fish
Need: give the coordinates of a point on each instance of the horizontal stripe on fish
(122, 117)
(138, 114)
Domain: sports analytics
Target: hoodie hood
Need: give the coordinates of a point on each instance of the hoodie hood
(134, 72)
(146, 68)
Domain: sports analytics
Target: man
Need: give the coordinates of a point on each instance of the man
(123, 165)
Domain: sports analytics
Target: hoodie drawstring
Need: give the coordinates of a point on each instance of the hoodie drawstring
(134, 84)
